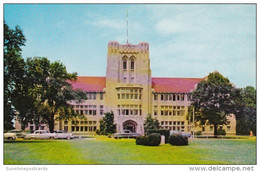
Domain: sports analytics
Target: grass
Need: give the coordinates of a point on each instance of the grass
(124, 151)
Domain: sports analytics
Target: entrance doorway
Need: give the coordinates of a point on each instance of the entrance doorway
(130, 125)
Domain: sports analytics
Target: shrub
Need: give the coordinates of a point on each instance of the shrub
(166, 133)
(221, 131)
(154, 139)
(142, 140)
(198, 133)
(98, 132)
(177, 139)
(150, 140)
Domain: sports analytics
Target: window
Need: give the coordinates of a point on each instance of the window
(123, 96)
(178, 97)
(182, 97)
(94, 96)
(124, 64)
(161, 112)
(89, 96)
(170, 97)
(166, 97)
(161, 96)
(132, 64)
(173, 97)
(155, 96)
(155, 112)
(118, 96)
(101, 96)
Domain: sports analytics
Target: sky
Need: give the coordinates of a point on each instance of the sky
(186, 40)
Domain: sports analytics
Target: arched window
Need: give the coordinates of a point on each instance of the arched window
(132, 64)
(124, 64)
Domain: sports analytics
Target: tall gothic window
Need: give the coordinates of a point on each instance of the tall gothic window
(124, 64)
(132, 64)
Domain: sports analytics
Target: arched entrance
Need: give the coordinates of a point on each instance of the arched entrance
(130, 125)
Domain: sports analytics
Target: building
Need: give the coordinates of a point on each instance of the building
(130, 91)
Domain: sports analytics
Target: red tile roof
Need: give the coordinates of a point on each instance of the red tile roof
(89, 83)
(177, 85)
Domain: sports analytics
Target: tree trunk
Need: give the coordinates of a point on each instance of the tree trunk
(215, 130)
(23, 126)
(51, 124)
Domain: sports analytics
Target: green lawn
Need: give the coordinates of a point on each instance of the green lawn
(124, 151)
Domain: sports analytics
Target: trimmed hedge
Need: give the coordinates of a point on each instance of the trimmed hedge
(141, 140)
(153, 139)
(221, 132)
(177, 139)
(164, 132)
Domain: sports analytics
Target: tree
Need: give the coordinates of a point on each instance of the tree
(213, 100)
(13, 71)
(107, 125)
(246, 110)
(52, 90)
(151, 124)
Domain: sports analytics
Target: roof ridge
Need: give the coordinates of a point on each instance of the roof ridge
(92, 76)
(175, 78)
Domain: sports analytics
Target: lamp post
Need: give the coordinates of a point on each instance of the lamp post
(193, 122)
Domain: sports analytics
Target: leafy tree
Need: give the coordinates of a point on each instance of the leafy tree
(213, 100)
(52, 91)
(13, 71)
(151, 124)
(246, 110)
(37, 89)
(107, 125)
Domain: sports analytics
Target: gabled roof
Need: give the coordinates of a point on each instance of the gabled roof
(176, 85)
(89, 83)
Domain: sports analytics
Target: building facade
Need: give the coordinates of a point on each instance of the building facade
(131, 93)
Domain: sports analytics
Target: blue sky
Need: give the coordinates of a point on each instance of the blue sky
(185, 40)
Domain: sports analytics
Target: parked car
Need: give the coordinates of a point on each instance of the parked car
(126, 134)
(181, 133)
(9, 136)
(19, 133)
(41, 134)
(60, 134)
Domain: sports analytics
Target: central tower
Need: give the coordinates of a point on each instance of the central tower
(128, 84)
